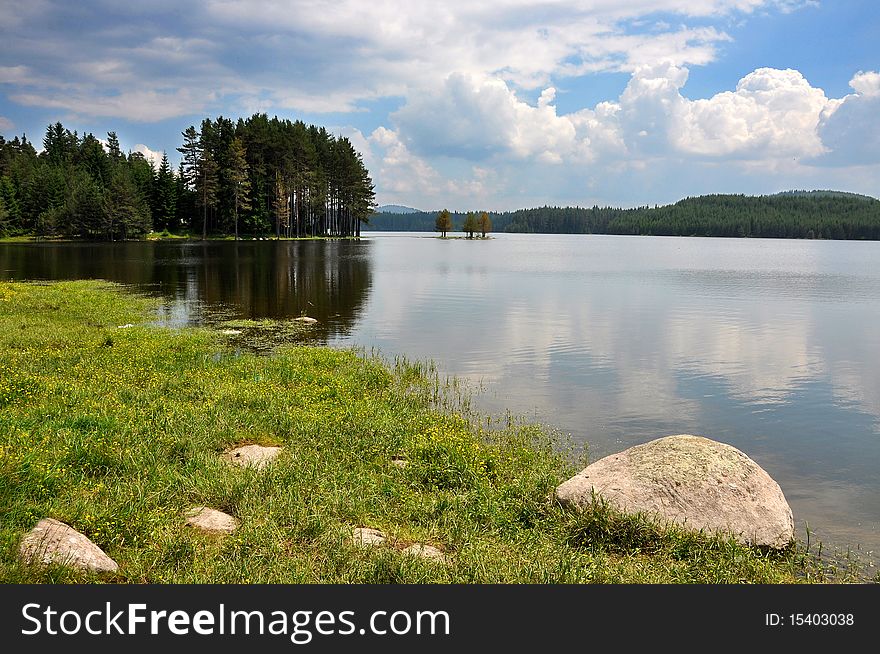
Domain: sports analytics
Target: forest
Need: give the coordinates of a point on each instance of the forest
(792, 214)
(255, 177)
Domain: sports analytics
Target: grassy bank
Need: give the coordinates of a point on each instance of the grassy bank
(118, 430)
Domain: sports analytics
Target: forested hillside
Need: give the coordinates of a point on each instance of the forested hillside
(258, 176)
(800, 214)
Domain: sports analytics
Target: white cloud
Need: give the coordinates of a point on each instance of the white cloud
(476, 117)
(136, 105)
(153, 156)
(866, 84)
(772, 114)
(405, 175)
(851, 132)
(323, 56)
(6, 125)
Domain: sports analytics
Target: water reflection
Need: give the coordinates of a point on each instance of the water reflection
(327, 280)
(771, 346)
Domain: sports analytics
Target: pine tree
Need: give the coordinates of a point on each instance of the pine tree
(444, 222)
(113, 147)
(470, 224)
(281, 205)
(164, 203)
(237, 174)
(485, 224)
(206, 186)
(192, 152)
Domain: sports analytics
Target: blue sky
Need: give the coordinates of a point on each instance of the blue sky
(474, 104)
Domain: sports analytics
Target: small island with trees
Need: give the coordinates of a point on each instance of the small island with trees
(472, 224)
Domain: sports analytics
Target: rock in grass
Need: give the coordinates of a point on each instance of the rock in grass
(52, 541)
(230, 332)
(428, 552)
(366, 536)
(399, 461)
(253, 456)
(211, 521)
(692, 481)
(306, 320)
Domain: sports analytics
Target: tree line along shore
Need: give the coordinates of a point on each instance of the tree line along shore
(255, 176)
(796, 214)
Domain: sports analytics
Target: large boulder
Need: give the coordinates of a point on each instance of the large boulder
(692, 481)
(52, 541)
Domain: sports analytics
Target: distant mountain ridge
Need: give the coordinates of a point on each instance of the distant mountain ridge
(396, 208)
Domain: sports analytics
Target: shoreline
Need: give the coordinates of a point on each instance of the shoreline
(116, 428)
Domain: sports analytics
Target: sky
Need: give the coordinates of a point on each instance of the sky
(476, 104)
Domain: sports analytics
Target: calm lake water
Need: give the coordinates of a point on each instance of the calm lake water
(772, 346)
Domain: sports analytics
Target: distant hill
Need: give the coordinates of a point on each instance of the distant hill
(395, 208)
(792, 214)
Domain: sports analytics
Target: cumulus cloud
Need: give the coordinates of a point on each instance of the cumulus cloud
(851, 132)
(406, 175)
(771, 114)
(153, 156)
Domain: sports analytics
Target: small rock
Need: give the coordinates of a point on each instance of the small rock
(367, 536)
(231, 332)
(252, 456)
(211, 521)
(428, 552)
(125, 326)
(306, 320)
(52, 541)
(692, 481)
(399, 461)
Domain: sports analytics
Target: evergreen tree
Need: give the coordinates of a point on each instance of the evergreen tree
(281, 205)
(59, 145)
(470, 224)
(9, 198)
(444, 222)
(239, 179)
(164, 198)
(206, 186)
(125, 212)
(113, 149)
(485, 224)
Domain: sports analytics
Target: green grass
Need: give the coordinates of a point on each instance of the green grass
(118, 431)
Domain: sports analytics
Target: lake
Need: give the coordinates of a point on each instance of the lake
(772, 346)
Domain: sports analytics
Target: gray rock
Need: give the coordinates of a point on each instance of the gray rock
(306, 319)
(399, 461)
(367, 536)
(426, 552)
(52, 541)
(692, 481)
(211, 521)
(253, 456)
(230, 332)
